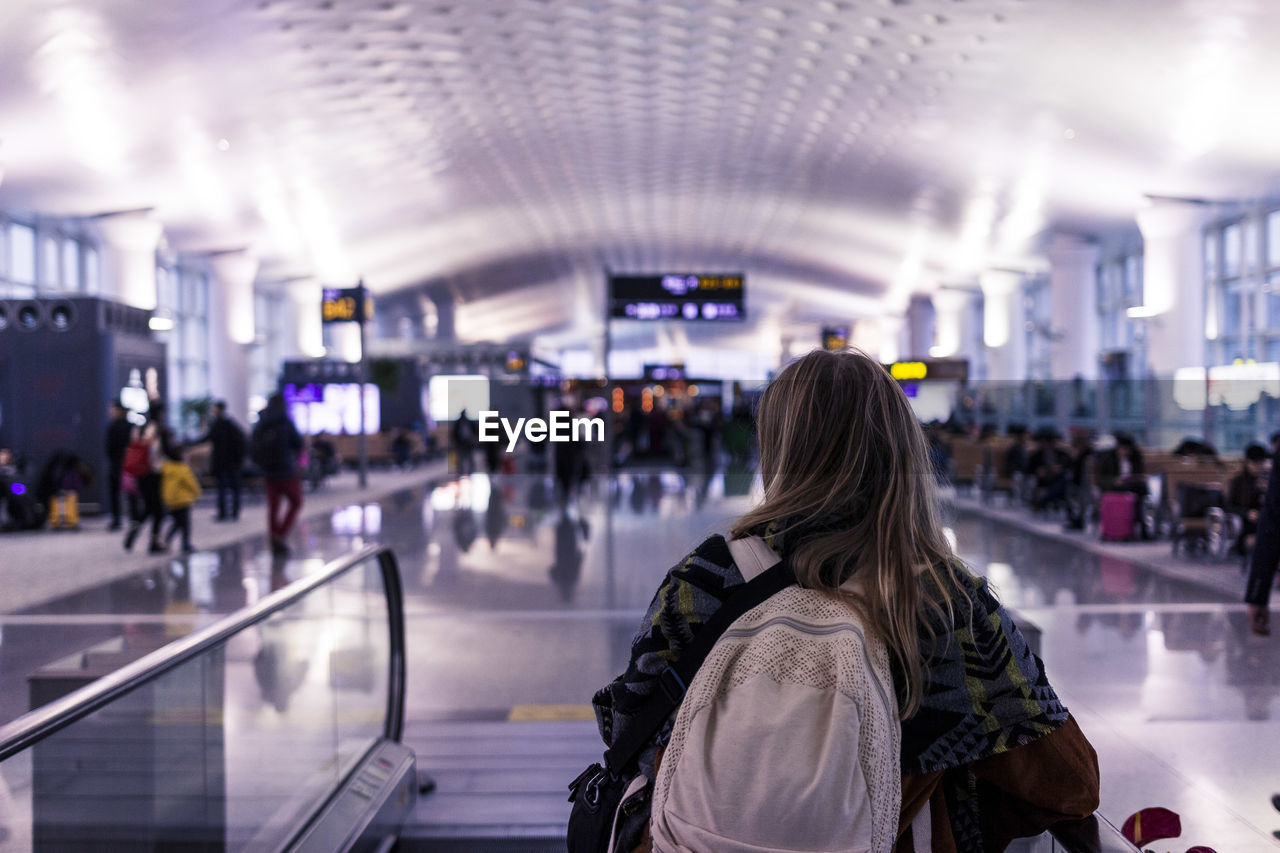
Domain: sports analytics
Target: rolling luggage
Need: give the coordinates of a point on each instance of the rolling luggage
(1116, 516)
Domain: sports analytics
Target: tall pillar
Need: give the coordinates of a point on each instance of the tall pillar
(305, 331)
(892, 329)
(1003, 331)
(127, 244)
(1073, 294)
(1173, 285)
(953, 335)
(445, 325)
(921, 322)
(231, 328)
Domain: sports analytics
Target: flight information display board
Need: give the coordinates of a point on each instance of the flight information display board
(345, 305)
(683, 296)
(835, 337)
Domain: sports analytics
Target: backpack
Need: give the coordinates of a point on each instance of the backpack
(137, 458)
(598, 791)
(267, 445)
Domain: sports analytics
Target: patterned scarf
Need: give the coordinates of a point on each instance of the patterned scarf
(984, 691)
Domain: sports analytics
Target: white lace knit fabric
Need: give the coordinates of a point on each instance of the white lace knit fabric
(788, 738)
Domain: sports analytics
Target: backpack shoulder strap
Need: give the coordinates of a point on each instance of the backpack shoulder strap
(752, 556)
(675, 679)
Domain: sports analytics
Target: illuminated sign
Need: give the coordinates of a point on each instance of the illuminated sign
(939, 369)
(906, 370)
(663, 372)
(677, 297)
(333, 408)
(345, 305)
(835, 337)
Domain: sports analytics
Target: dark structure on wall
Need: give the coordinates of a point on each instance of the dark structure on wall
(62, 360)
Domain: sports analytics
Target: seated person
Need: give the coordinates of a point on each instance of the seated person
(1247, 489)
(1081, 478)
(401, 448)
(1120, 469)
(325, 454)
(1196, 450)
(1016, 457)
(1048, 466)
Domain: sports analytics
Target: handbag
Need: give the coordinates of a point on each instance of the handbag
(598, 791)
(137, 458)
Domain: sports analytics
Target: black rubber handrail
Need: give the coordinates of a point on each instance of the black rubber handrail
(39, 724)
(1094, 834)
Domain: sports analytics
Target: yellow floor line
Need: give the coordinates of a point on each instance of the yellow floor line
(550, 713)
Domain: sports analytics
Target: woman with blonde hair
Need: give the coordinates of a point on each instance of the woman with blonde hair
(883, 702)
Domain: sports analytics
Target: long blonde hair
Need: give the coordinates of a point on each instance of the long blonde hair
(849, 486)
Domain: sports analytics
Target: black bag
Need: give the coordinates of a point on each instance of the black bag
(597, 792)
(1196, 500)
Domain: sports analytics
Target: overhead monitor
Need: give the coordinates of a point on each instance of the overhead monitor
(677, 296)
(345, 305)
(835, 337)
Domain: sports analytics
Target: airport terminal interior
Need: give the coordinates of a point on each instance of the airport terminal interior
(518, 272)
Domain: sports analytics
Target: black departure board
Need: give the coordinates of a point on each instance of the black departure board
(677, 296)
(344, 305)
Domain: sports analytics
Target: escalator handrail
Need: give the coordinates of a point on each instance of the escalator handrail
(46, 720)
(1093, 834)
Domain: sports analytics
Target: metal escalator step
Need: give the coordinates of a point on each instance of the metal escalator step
(497, 783)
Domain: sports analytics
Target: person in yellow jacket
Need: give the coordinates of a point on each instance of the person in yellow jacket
(179, 490)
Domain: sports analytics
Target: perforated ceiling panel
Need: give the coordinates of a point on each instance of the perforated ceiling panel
(844, 154)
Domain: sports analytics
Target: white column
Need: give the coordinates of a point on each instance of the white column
(127, 244)
(1173, 285)
(1003, 333)
(231, 328)
(951, 313)
(892, 330)
(1073, 293)
(305, 329)
(921, 319)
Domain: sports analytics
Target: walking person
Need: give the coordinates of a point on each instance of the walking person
(148, 446)
(179, 490)
(464, 442)
(117, 442)
(1266, 556)
(226, 460)
(275, 448)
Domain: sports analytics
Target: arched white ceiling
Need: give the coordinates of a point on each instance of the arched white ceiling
(844, 153)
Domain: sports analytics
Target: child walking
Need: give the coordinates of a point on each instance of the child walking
(179, 490)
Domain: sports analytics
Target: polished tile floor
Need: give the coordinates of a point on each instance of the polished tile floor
(516, 600)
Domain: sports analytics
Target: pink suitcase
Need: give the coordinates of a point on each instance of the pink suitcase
(1116, 516)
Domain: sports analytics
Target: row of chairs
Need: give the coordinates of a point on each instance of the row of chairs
(1160, 513)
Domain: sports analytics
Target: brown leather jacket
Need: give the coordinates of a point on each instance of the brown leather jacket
(1022, 792)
